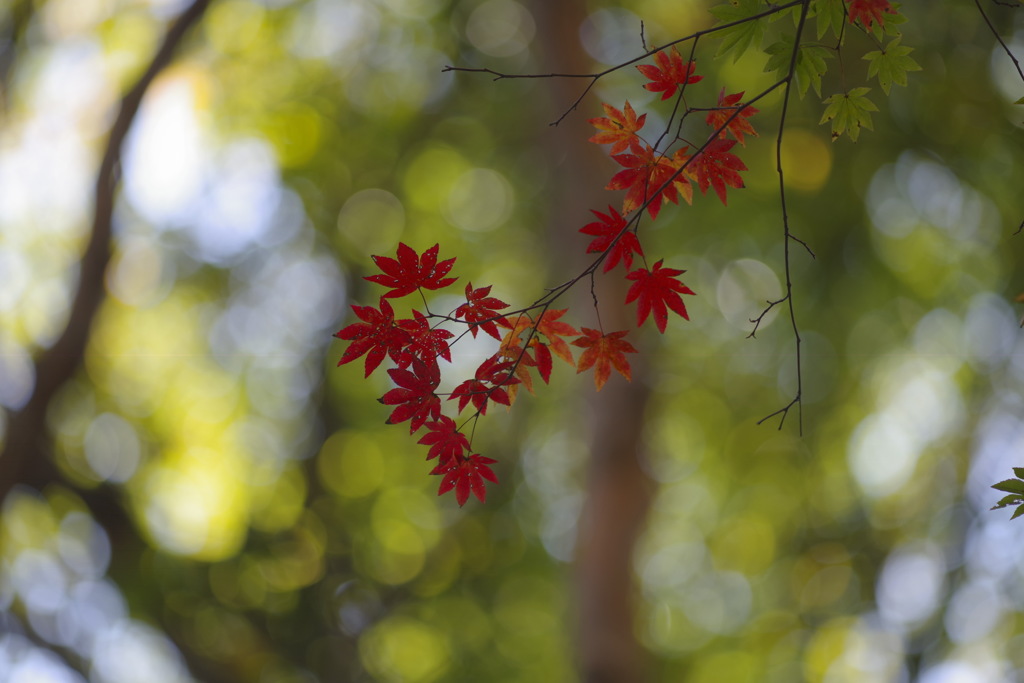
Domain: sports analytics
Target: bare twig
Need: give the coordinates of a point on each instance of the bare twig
(999, 38)
(757, 321)
(1006, 49)
(594, 77)
(787, 234)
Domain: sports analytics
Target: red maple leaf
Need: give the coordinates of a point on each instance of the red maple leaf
(466, 474)
(643, 177)
(619, 127)
(481, 310)
(605, 351)
(490, 377)
(611, 234)
(543, 359)
(410, 271)
(669, 74)
(717, 167)
(377, 336)
(414, 396)
(424, 342)
(656, 289)
(868, 11)
(445, 440)
(739, 125)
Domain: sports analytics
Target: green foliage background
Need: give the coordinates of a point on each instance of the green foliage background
(272, 528)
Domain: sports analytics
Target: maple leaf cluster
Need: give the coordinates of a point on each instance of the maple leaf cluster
(529, 339)
(652, 176)
(416, 345)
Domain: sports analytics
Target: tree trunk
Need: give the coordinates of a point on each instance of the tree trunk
(618, 490)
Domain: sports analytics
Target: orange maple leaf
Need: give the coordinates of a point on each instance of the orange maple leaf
(604, 352)
(682, 181)
(619, 127)
(512, 348)
(553, 330)
(739, 125)
(669, 74)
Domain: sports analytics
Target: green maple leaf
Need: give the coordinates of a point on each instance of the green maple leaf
(849, 112)
(740, 38)
(891, 64)
(1015, 487)
(831, 14)
(810, 63)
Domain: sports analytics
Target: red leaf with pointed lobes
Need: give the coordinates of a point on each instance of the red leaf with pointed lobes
(604, 352)
(466, 475)
(669, 73)
(610, 231)
(717, 167)
(410, 271)
(643, 177)
(656, 289)
(619, 127)
(424, 342)
(377, 336)
(739, 126)
(481, 310)
(445, 440)
(494, 372)
(868, 11)
(414, 397)
(543, 360)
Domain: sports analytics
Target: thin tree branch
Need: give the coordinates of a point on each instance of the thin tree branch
(594, 77)
(1009, 53)
(787, 235)
(999, 38)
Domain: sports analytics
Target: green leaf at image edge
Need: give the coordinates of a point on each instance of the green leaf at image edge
(1010, 486)
(1012, 499)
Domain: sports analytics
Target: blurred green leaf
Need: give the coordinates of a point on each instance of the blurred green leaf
(1012, 499)
(740, 38)
(1011, 486)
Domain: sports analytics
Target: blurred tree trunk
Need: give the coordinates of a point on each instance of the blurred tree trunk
(618, 490)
